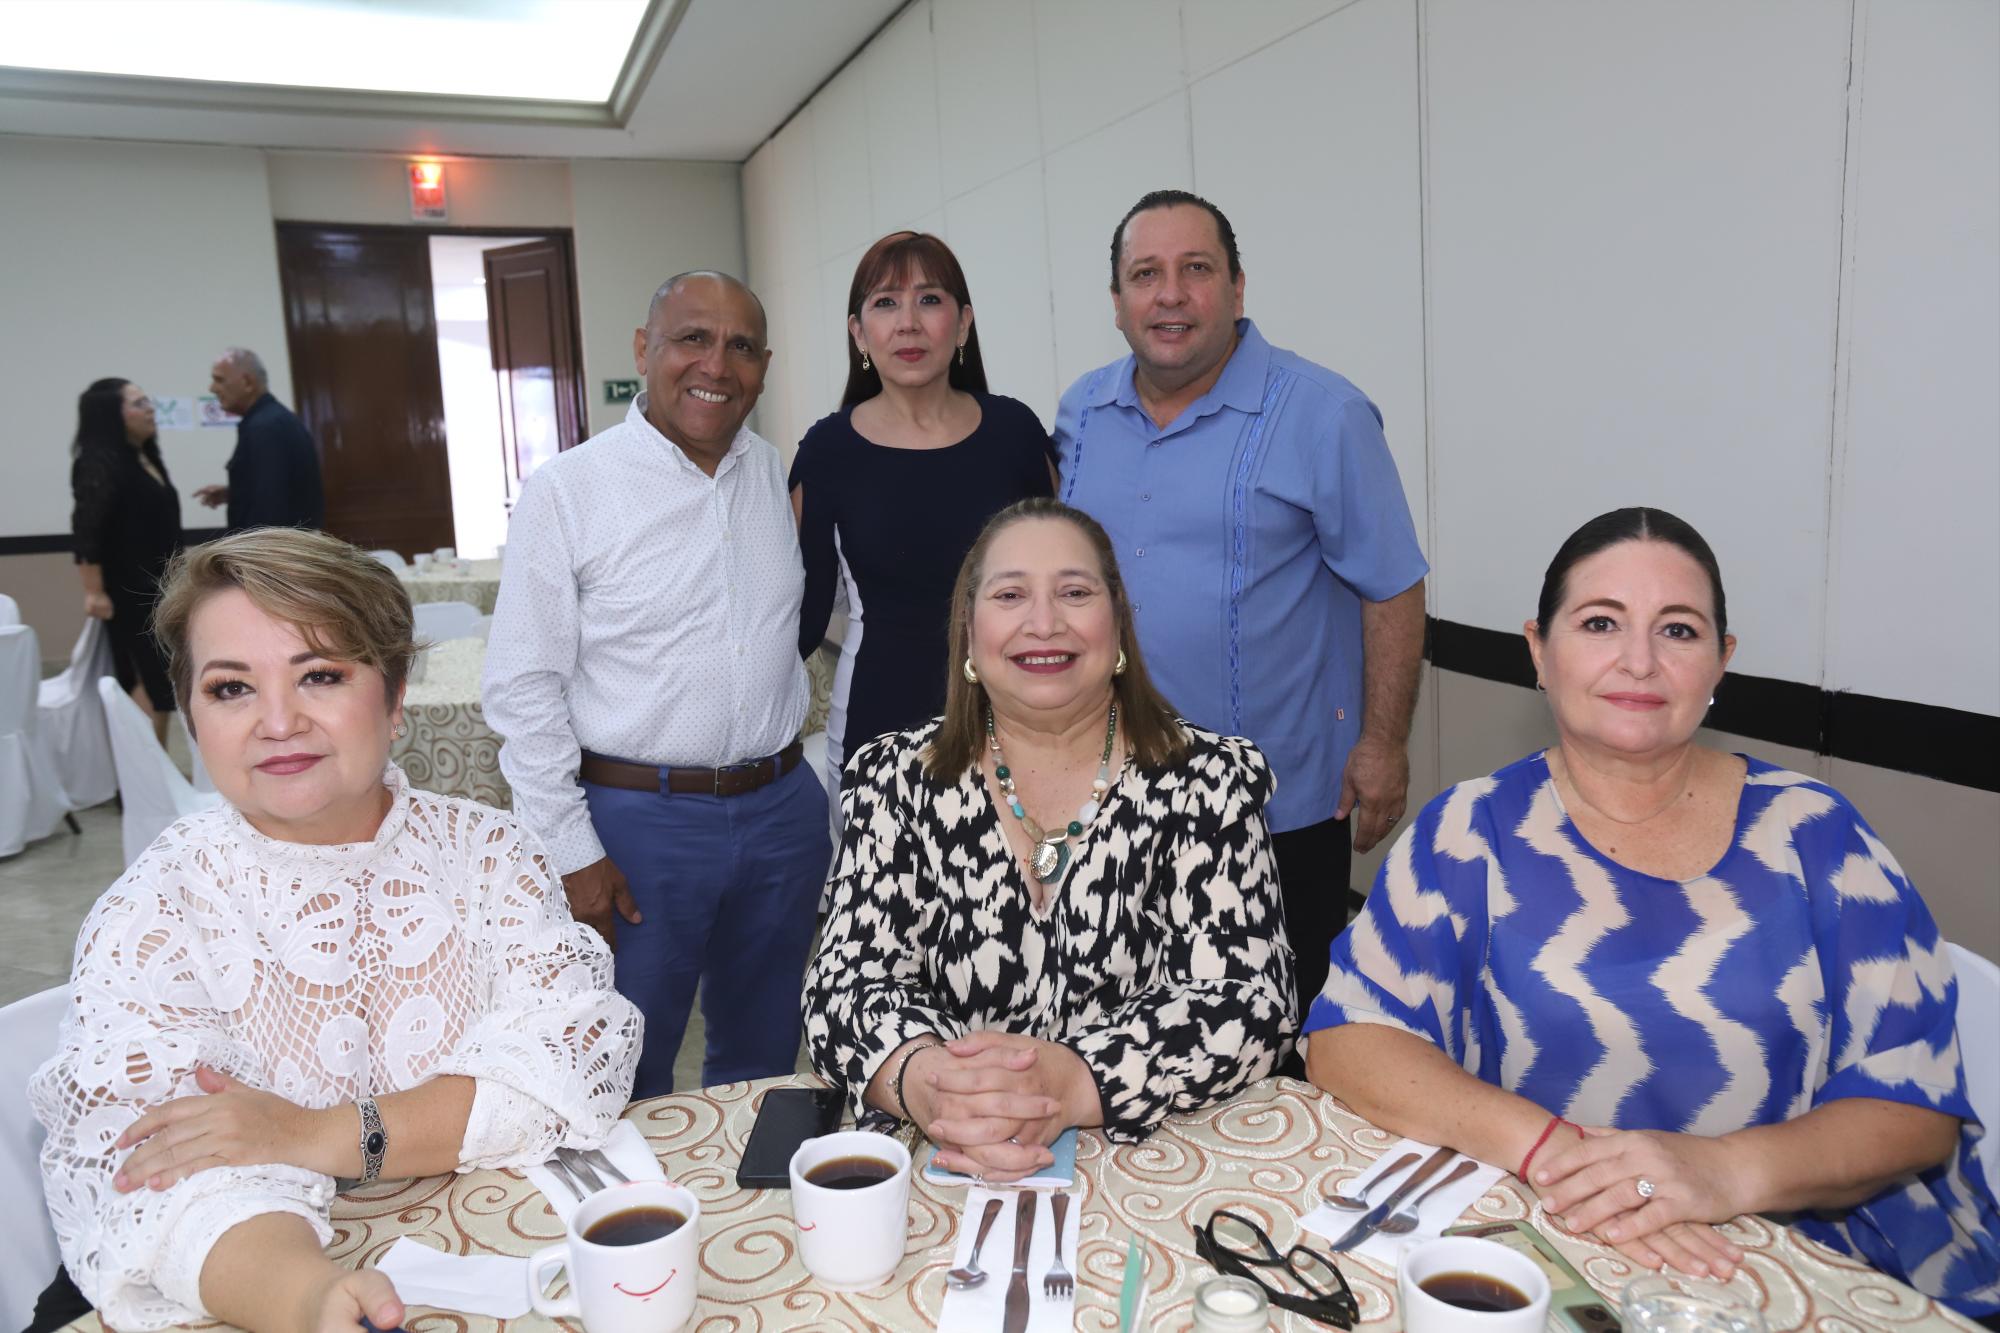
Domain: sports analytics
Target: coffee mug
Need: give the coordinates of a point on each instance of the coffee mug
(1453, 1285)
(420, 562)
(624, 1276)
(851, 1201)
(445, 553)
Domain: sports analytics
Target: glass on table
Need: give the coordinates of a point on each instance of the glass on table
(1663, 1303)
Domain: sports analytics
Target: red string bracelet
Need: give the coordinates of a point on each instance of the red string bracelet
(1540, 1139)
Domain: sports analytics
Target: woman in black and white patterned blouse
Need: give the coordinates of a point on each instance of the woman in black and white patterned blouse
(1055, 905)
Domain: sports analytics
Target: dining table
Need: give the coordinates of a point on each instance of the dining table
(473, 581)
(1270, 1153)
(447, 746)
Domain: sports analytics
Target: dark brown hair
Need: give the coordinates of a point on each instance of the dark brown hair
(348, 606)
(1153, 734)
(895, 260)
(1629, 525)
(1174, 199)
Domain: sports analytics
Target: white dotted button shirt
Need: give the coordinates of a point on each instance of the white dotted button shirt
(647, 611)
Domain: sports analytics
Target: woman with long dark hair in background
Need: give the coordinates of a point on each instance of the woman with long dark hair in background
(892, 489)
(126, 525)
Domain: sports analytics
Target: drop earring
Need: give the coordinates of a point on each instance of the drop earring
(1119, 670)
(865, 367)
(971, 676)
(961, 354)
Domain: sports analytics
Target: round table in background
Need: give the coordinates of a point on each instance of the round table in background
(446, 746)
(474, 581)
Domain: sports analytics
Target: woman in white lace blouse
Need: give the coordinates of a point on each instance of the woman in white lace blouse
(332, 976)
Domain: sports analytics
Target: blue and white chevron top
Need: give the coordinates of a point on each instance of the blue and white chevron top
(1801, 969)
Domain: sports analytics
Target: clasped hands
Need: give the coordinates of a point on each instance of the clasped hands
(993, 1101)
(229, 1124)
(1590, 1185)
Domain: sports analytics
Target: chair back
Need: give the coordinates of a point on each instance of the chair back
(1978, 1014)
(393, 559)
(72, 719)
(439, 621)
(10, 610)
(154, 791)
(28, 1259)
(20, 678)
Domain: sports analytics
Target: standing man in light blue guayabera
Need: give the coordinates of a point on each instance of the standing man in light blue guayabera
(1267, 545)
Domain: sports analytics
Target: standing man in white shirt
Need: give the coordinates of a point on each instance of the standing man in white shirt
(643, 672)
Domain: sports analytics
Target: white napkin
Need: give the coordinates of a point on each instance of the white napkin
(981, 1309)
(491, 1285)
(629, 1152)
(1440, 1210)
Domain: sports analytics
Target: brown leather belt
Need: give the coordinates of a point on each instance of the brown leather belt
(731, 780)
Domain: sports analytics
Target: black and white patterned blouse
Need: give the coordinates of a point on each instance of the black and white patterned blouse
(1160, 958)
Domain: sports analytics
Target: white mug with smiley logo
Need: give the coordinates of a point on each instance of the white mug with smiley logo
(624, 1275)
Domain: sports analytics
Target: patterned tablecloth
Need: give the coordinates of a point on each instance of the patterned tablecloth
(448, 748)
(474, 581)
(1267, 1153)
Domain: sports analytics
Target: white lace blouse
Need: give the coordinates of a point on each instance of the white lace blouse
(322, 974)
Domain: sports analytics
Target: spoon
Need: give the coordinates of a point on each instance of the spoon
(1405, 1220)
(972, 1274)
(1359, 1202)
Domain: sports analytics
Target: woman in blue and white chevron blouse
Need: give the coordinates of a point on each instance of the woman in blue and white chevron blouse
(1671, 984)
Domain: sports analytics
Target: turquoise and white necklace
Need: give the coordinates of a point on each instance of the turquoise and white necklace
(1051, 854)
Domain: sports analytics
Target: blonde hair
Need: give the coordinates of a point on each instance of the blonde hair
(348, 606)
(1153, 734)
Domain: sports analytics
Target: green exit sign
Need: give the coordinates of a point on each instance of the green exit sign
(620, 391)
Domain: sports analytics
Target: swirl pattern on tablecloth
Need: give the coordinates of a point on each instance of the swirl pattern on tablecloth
(1269, 1154)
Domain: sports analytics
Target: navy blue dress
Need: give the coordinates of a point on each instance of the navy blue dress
(890, 527)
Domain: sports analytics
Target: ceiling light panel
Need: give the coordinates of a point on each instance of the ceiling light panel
(542, 50)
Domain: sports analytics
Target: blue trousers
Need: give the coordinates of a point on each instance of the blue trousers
(729, 890)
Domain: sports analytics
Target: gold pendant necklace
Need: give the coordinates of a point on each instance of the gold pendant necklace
(1051, 855)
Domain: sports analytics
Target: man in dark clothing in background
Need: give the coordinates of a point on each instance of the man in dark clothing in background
(274, 473)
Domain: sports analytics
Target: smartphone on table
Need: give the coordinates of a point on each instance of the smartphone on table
(1574, 1306)
(788, 1117)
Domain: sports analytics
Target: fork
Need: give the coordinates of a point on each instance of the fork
(1059, 1285)
(582, 1170)
(561, 1172)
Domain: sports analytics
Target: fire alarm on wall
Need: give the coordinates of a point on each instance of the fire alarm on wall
(427, 192)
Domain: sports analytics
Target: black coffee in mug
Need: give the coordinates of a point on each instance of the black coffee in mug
(850, 1173)
(634, 1226)
(1474, 1291)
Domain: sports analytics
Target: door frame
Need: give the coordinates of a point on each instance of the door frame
(563, 236)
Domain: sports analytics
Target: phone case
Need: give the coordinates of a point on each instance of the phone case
(1573, 1303)
(788, 1117)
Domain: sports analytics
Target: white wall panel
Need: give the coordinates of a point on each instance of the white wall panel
(795, 197)
(760, 217)
(805, 382)
(1090, 184)
(997, 234)
(988, 114)
(1102, 60)
(1333, 263)
(899, 79)
(1217, 32)
(1633, 274)
(1917, 568)
(829, 339)
(840, 163)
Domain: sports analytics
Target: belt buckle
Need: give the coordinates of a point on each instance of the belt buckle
(726, 769)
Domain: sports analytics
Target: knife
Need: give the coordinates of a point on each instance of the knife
(1016, 1320)
(1381, 1212)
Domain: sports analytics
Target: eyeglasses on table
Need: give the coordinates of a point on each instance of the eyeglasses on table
(1233, 1244)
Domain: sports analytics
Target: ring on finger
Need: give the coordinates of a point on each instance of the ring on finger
(1645, 1187)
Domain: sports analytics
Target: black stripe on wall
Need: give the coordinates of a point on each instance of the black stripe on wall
(48, 543)
(1931, 741)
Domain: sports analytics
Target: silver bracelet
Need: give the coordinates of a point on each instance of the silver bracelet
(374, 1139)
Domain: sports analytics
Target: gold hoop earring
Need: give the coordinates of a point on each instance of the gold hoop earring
(864, 363)
(1119, 670)
(971, 676)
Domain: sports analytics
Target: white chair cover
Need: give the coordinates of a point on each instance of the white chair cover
(71, 720)
(155, 792)
(197, 771)
(10, 610)
(28, 1259)
(439, 621)
(393, 559)
(1978, 1012)
(32, 799)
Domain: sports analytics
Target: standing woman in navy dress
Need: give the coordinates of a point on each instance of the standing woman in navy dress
(892, 489)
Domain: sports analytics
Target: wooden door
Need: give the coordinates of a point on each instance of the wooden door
(363, 342)
(531, 319)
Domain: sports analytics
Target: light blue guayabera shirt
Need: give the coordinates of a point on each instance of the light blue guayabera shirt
(1248, 531)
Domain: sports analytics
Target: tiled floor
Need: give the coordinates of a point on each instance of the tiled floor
(48, 888)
